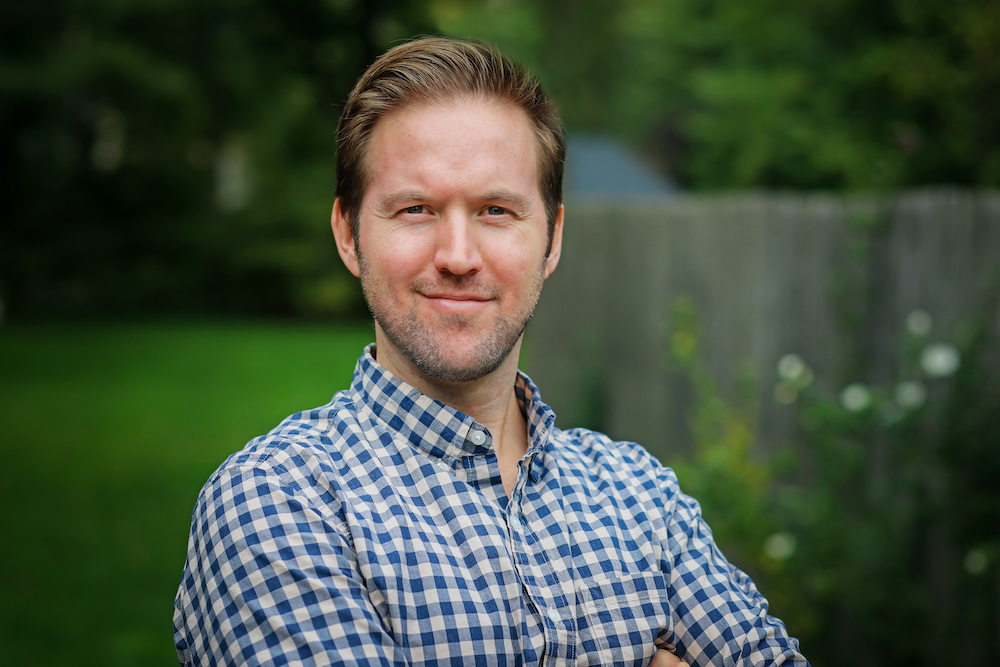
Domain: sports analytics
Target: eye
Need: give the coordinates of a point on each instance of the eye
(414, 210)
(495, 210)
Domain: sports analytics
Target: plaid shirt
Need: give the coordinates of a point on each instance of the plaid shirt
(376, 530)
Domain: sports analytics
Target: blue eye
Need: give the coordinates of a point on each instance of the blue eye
(414, 210)
(495, 210)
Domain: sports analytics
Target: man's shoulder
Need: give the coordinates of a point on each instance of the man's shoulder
(302, 440)
(591, 443)
(598, 454)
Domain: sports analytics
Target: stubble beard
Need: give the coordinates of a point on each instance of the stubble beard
(427, 349)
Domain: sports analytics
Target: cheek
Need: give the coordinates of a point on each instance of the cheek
(522, 274)
(393, 258)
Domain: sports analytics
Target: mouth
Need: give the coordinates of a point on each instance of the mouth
(457, 303)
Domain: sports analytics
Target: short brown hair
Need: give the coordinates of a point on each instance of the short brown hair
(438, 69)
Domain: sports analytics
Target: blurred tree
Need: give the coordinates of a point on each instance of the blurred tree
(178, 155)
(809, 94)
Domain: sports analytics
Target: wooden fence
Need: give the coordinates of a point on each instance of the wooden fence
(830, 278)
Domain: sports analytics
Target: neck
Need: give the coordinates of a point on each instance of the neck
(490, 400)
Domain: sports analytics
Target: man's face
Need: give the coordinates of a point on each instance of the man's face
(452, 236)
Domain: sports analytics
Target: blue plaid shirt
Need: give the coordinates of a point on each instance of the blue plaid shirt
(376, 531)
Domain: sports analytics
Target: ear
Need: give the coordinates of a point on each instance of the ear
(344, 238)
(556, 250)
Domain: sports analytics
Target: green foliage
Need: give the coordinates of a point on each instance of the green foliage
(108, 434)
(178, 155)
(723, 474)
(882, 523)
(910, 500)
(809, 94)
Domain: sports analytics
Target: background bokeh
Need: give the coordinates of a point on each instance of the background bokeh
(169, 288)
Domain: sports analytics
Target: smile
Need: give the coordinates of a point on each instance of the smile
(455, 303)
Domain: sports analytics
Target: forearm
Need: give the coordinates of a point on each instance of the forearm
(718, 615)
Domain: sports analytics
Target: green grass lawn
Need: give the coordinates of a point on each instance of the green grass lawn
(107, 433)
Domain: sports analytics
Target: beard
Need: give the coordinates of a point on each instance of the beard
(427, 346)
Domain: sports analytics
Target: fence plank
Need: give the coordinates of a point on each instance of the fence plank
(831, 278)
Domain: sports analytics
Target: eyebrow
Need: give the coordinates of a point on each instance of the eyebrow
(392, 201)
(508, 196)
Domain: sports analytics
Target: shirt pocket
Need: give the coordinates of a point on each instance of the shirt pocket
(621, 618)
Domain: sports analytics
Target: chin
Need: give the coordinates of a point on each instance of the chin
(466, 369)
(450, 350)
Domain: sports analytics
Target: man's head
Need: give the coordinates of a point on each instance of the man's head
(448, 208)
(439, 70)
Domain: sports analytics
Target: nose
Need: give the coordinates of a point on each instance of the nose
(457, 246)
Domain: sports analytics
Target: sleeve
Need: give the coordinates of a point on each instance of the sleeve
(719, 616)
(269, 579)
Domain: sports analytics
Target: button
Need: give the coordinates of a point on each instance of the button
(478, 438)
(554, 616)
(444, 466)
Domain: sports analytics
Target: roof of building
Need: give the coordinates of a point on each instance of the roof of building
(604, 167)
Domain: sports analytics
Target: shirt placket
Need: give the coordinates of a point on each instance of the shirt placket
(550, 593)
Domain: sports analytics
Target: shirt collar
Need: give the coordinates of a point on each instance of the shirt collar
(433, 427)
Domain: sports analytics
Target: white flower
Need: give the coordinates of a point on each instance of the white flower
(785, 393)
(780, 546)
(794, 371)
(976, 561)
(939, 360)
(910, 394)
(855, 397)
(918, 322)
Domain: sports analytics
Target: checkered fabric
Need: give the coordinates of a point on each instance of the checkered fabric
(373, 531)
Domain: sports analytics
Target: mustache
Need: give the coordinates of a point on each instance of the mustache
(469, 285)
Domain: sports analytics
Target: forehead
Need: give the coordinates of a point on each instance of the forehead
(461, 139)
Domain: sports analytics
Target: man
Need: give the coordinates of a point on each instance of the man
(433, 513)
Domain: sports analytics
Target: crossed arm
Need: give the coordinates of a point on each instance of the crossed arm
(270, 574)
(293, 588)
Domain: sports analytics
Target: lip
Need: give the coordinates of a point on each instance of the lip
(455, 303)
